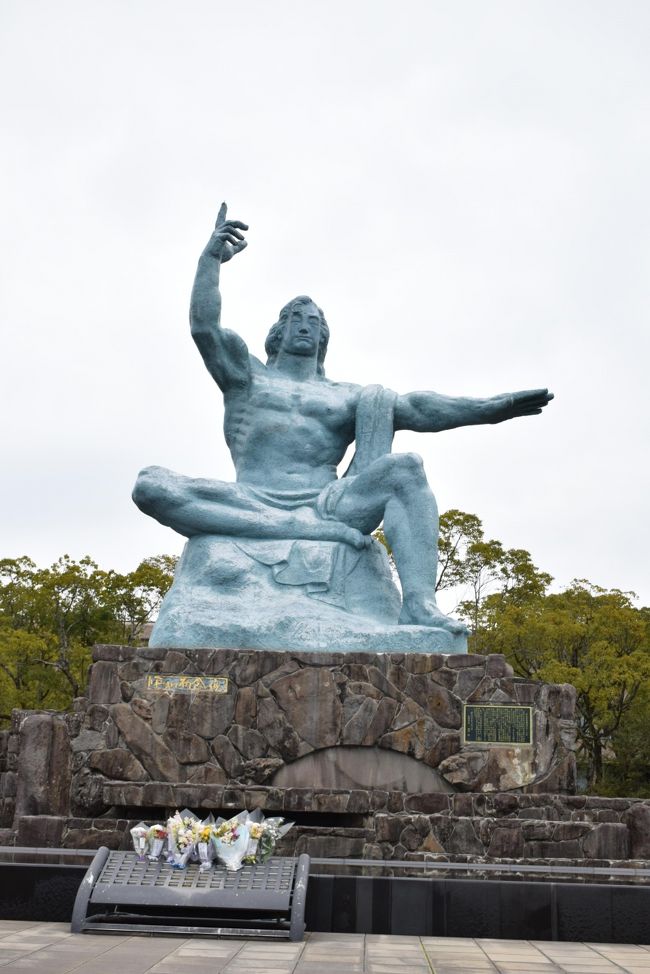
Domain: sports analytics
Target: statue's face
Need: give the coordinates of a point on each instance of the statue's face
(302, 331)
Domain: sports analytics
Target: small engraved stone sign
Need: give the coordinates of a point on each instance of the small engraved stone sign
(182, 683)
(494, 724)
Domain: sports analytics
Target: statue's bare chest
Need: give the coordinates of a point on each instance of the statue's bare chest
(275, 397)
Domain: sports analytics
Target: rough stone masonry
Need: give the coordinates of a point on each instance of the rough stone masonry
(366, 724)
(278, 709)
(366, 751)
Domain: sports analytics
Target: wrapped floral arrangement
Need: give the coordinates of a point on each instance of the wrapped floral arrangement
(204, 843)
(156, 838)
(263, 835)
(231, 840)
(182, 832)
(245, 838)
(139, 835)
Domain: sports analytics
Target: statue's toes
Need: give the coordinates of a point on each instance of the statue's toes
(356, 539)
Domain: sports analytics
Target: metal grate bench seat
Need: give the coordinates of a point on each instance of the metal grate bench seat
(122, 893)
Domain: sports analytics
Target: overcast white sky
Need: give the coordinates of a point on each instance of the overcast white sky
(462, 186)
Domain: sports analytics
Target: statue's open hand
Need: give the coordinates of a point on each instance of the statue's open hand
(529, 402)
(227, 239)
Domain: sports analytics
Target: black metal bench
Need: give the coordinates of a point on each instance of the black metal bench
(123, 893)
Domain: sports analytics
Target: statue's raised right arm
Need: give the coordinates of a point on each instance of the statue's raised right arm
(224, 352)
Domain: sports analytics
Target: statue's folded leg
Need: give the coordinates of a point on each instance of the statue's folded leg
(195, 506)
(395, 488)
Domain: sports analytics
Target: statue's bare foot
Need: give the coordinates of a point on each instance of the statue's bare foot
(315, 528)
(425, 612)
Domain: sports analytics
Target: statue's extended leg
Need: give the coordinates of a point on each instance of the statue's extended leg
(195, 506)
(395, 488)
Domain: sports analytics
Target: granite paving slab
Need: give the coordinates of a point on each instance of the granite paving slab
(50, 948)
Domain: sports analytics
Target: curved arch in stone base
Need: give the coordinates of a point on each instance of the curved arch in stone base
(360, 767)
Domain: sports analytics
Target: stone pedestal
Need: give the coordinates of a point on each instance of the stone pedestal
(157, 718)
(310, 595)
(347, 737)
(364, 751)
(336, 720)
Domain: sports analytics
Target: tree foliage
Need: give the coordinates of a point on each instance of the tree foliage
(479, 567)
(51, 617)
(628, 770)
(591, 637)
(588, 636)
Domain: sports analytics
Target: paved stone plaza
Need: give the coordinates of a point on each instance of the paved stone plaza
(50, 948)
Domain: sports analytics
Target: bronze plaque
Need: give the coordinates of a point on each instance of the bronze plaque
(182, 683)
(497, 724)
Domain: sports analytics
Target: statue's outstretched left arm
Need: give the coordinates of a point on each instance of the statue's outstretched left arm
(429, 412)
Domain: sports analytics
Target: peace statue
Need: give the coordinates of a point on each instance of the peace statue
(283, 558)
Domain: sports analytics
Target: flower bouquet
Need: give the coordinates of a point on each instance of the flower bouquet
(231, 840)
(263, 835)
(182, 832)
(204, 844)
(139, 835)
(247, 837)
(156, 838)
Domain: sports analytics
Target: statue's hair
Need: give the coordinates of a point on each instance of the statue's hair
(274, 337)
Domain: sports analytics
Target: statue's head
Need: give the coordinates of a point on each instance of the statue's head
(302, 325)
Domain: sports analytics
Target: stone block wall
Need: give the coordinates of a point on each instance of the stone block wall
(386, 729)
(8, 763)
(35, 765)
(281, 708)
(390, 826)
(521, 838)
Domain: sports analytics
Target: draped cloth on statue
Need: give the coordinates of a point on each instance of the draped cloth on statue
(374, 427)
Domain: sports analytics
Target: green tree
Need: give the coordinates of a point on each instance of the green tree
(591, 637)
(135, 598)
(459, 533)
(51, 617)
(629, 772)
(477, 567)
